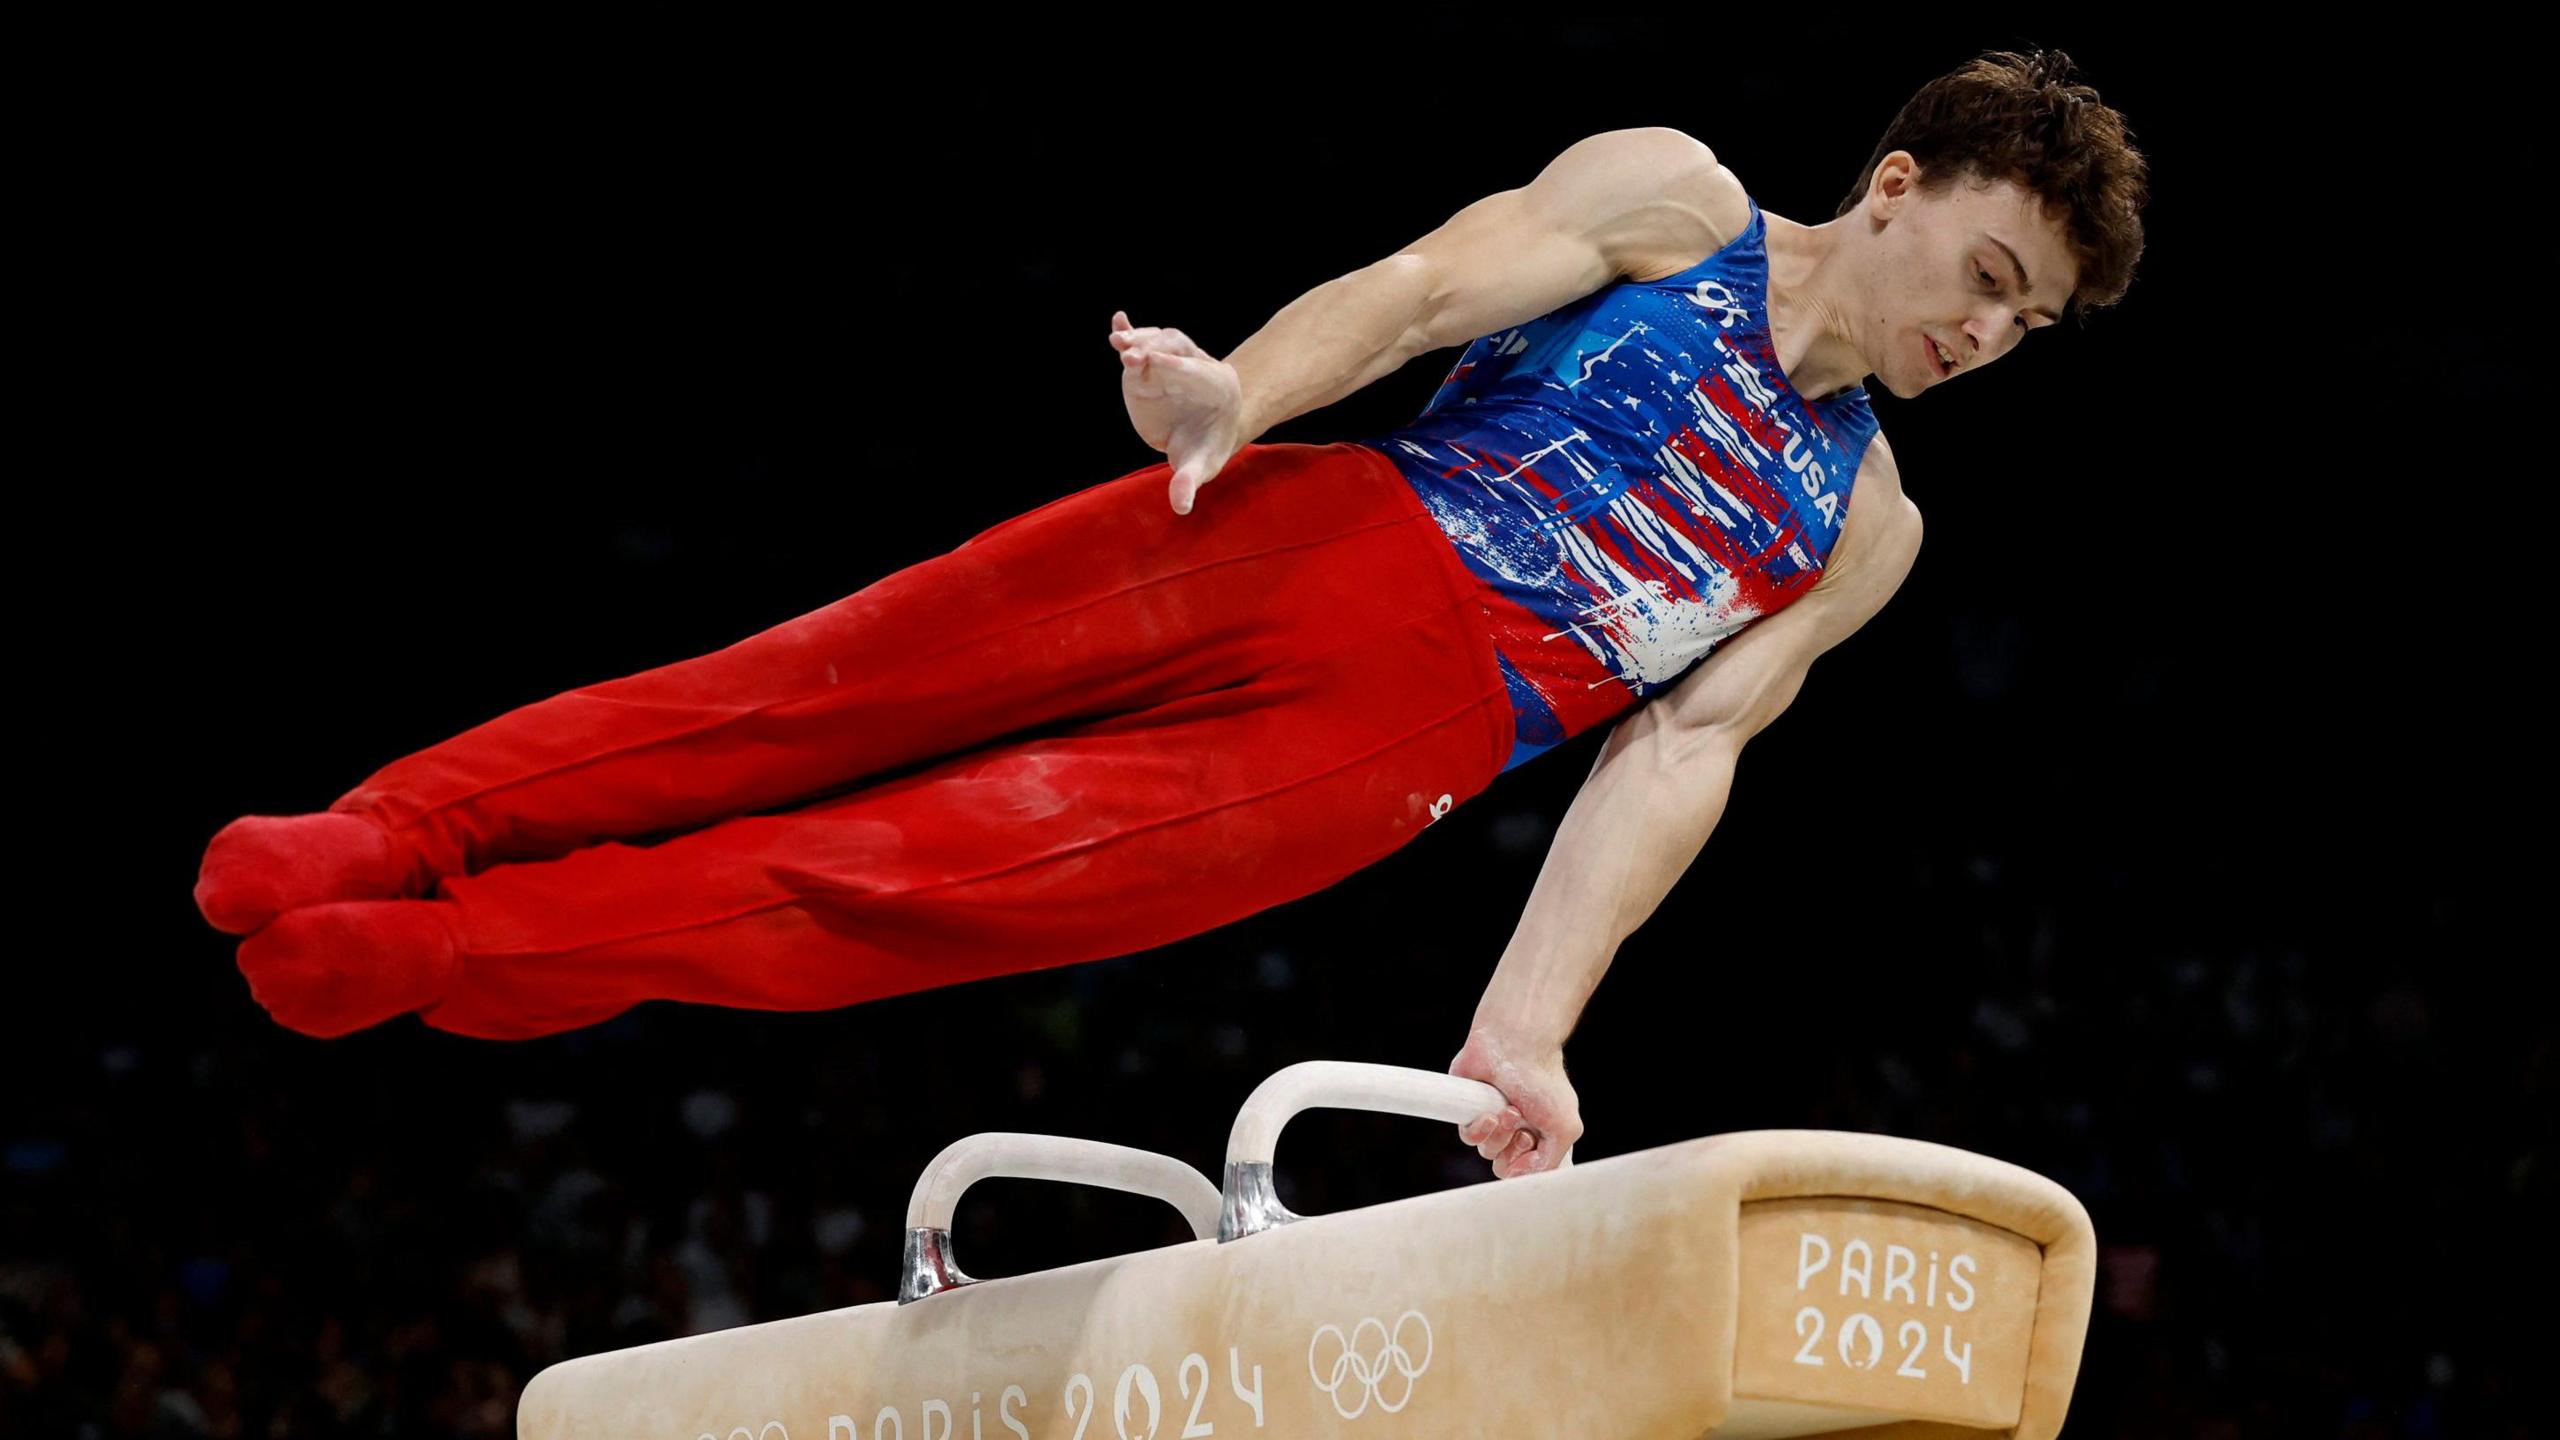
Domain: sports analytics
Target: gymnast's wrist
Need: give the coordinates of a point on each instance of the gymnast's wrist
(1244, 426)
(1519, 1029)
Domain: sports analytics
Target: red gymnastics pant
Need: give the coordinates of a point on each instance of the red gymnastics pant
(1127, 726)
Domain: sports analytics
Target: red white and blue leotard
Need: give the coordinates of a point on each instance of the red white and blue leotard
(1631, 479)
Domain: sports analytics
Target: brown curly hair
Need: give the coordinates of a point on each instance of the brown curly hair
(2007, 116)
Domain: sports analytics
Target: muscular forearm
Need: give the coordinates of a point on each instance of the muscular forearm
(1641, 818)
(1329, 342)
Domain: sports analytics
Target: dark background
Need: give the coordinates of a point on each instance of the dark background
(393, 373)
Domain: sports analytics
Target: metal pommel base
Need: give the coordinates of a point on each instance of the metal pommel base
(929, 1268)
(1250, 1203)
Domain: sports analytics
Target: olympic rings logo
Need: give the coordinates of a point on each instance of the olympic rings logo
(1352, 1365)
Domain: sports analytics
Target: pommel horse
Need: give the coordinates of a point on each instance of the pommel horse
(1748, 1286)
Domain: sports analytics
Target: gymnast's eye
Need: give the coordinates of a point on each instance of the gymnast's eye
(1985, 277)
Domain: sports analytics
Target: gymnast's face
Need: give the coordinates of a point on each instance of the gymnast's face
(1972, 269)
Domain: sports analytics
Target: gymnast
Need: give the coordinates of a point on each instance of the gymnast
(1651, 486)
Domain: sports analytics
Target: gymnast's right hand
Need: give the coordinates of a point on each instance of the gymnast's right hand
(1184, 401)
(1544, 1117)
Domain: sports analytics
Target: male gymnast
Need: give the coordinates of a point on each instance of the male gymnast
(1651, 487)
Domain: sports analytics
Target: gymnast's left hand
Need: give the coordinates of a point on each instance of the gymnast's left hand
(1184, 401)
(1544, 1116)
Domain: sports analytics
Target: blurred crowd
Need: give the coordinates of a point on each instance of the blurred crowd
(274, 1240)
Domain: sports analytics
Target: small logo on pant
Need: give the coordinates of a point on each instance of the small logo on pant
(1440, 807)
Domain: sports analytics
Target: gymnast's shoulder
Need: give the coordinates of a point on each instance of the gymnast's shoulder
(1696, 205)
(1882, 524)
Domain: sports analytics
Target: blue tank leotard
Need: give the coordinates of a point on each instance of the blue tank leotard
(1632, 479)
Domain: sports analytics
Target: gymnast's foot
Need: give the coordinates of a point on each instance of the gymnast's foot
(260, 866)
(327, 970)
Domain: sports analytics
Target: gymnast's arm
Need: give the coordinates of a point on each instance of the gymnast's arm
(1602, 205)
(1661, 781)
